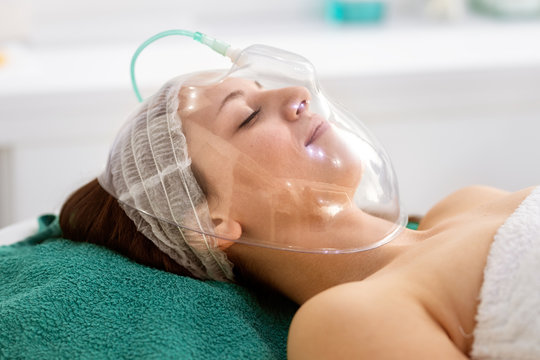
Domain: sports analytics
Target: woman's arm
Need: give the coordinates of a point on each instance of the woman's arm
(340, 324)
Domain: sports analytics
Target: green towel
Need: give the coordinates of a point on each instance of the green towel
(62, 299)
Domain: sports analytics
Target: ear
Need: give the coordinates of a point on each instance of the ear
(227, 228)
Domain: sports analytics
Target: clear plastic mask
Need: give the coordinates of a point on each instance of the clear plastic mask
(281, 165)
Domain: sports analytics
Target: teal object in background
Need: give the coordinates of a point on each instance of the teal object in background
(507, 8)
(355, 11)
(413, 225)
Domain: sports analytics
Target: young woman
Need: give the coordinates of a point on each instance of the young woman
(207, 174)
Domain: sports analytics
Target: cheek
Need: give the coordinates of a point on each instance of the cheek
(275, 150)
(278, 152)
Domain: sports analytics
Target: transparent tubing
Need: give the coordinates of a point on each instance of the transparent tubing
(216, 45)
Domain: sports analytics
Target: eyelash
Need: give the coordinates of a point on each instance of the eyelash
(249, 118)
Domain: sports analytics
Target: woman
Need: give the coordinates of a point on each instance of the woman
(207, 168)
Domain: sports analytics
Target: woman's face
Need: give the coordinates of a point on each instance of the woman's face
(250, 145)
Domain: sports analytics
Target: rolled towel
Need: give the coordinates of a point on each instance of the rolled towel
(508, 316)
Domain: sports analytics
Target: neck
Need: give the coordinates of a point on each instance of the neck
(301, 276)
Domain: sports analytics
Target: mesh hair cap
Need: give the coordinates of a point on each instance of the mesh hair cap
(149, 168)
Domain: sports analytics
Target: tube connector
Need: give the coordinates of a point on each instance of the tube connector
(233, 53)
(216, 45)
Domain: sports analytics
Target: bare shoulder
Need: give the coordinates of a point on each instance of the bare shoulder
(459, 202)
(367, 320)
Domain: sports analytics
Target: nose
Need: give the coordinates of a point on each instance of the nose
(292, 101)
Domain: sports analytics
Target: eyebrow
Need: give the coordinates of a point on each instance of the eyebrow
(235, 94)
(231, 96)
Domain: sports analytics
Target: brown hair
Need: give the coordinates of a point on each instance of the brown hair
(92, 215)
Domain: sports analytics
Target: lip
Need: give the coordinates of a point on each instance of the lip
(317, 131)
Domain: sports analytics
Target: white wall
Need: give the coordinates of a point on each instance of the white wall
(63, 22)
(445, 131)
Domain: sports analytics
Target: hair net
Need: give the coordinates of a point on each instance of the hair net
(149, 168)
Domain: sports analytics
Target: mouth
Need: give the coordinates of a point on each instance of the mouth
(317, 131)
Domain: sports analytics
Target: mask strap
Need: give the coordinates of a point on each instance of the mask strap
(216, 45)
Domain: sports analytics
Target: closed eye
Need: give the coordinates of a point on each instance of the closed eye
(249, 118)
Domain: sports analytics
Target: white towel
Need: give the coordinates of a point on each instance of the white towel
(508, 317)
(18, 231)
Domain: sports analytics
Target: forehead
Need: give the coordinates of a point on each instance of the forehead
(194, 98)
(221, 88)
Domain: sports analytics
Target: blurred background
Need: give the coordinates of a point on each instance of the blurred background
(450, 87)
